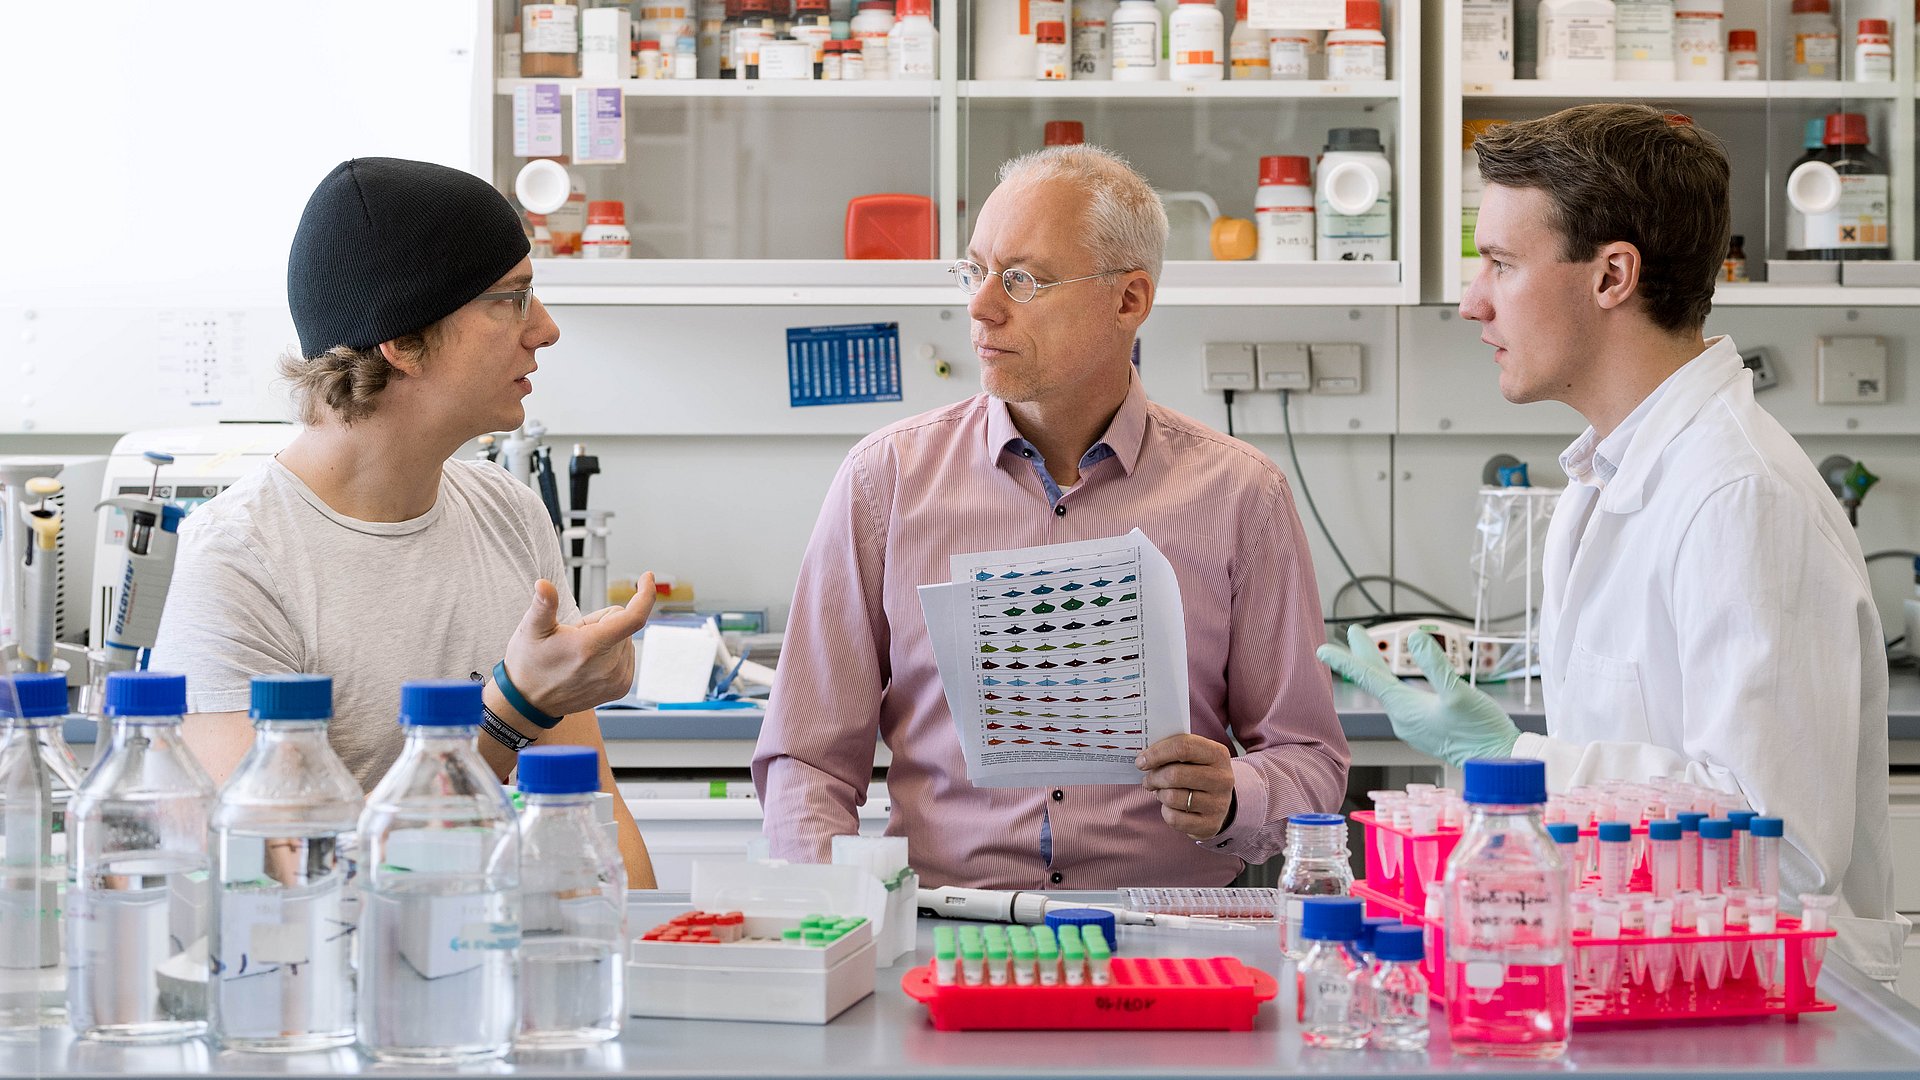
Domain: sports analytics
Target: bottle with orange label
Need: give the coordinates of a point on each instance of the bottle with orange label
(1247, 48)
(1199, 37)
(1051, 63)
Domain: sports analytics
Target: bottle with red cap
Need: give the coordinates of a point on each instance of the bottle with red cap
(1743, 55)
(1283, 210)
(1197, 38)
(1050, 59)
(1358, 53)
(913, 45)
(606, 235)
(1855, 224)
(1873, 51)
(1064, 133)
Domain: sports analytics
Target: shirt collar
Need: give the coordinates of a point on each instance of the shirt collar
(1122, 439)
(1594, 461)
(1657, 421)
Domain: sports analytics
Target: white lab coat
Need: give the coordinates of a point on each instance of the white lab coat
(1714, 623)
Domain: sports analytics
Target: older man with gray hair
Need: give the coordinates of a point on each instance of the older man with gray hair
(1062, 446)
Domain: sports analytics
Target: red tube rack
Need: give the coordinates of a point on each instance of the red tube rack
(1797, 953)
(1146, 994)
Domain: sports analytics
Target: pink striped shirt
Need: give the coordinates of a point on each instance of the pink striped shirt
(856, 662)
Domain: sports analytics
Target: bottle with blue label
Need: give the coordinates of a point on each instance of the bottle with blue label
(573, 905)
(440, 892)
(1353, 200)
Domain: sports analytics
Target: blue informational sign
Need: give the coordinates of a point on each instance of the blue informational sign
(843, 365)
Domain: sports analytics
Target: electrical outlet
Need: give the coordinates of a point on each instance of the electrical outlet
(1760, 362)
(1851, 370)
(1283, 365)
(1336, 368)
(1229, 367)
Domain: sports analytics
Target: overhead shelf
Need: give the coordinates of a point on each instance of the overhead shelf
(1104, 90)
(747, 89)
(1761, 294)
(1574, 92)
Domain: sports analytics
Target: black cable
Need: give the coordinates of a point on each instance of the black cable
(1299, 477)
(1893, 553)
(1229, 397)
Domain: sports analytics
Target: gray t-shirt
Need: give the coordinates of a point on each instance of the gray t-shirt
(272, 580)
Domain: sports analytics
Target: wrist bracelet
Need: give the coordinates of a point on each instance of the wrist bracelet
(502, 732)
(518, 701)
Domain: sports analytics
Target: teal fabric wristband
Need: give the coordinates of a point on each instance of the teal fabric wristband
(518, 701)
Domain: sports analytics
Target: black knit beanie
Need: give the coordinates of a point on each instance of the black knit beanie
(387, 247)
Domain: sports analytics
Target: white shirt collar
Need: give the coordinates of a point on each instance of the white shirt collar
(1593, 461)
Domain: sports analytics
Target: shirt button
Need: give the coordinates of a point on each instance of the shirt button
(1058, 795)
(1060, 511)
(1055, 877)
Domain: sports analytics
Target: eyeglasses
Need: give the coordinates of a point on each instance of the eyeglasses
(1020, 285)
(520, 297)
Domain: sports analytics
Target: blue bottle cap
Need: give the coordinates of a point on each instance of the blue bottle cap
(1401, 944)
(1079, 917)
(1740, 818)
(1716, 829)
(146, 693)
(1663, 830)
(1370, 924)
(1768, 826)
(559, 770)
(1564, 832)
(440, 703)
(292, 697)
(1505, 781)
(1690, 820)
(1316, 819)
(31, 695)
(1331, 918)
(1616, 832)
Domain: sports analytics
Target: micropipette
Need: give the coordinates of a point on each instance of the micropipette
(1021, 906)
(40, 576)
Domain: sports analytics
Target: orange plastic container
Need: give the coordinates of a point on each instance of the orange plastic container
(890, 227)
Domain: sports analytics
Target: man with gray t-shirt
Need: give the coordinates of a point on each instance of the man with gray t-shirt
(362, 552)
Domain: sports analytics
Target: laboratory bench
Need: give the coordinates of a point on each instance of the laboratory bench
(1873, 1034)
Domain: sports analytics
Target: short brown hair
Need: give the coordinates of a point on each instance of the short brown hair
(1632, 173)
(345, 380)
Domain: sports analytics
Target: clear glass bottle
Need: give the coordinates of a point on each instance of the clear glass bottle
(38, 776)
(573, 903)
(1317, 865)
(280, 961)
(1397, 991)
(137, 874)
(440, 891)
(1508, 943)
(1332, 977)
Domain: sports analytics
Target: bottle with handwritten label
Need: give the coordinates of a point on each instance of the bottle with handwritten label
(1333, 975)
(1506, 913)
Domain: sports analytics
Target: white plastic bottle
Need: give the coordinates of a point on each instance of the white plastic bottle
(1576, 40)
(1816, 41)
(1643, 39)
(1486, 41)
(1283, 210)
(1743, 55)
(1353, 201)
(1699, 40)
(1246, 47)
(1293, 54)
(870, 27)
(1051, 60)
(1136, 42)
(1092, 39)
(1358, 53)
(1873, 51)
(913, 45)
(1199, 39)
(606, 236)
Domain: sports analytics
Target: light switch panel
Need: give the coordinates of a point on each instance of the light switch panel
(1851, 370)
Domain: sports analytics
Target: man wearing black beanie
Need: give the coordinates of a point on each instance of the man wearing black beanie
(362, 551)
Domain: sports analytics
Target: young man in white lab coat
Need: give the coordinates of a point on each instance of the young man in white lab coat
(1707, 613)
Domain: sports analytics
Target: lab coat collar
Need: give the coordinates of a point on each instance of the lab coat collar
(1681, 397)
(1123, 436)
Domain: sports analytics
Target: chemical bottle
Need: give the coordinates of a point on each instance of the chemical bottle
(440, 891)
(830, 61)
(550, 41)
(713, 19)
(137, 890)
(813, 25)
(1316, 866)
(1856, 226)
(1358, 53)
(1283, 217)
(1526, 39)
(1509, 990)
(279, 955)
(853, 61)
(1743, 55)
(1486, 41)
(1643, 39)
(1136, 42)
(606, 235)
(1699, 54)
(1396, 990)
(666, 21)
(38, 776)
(1199, 37)
(1472, 190)
(1873, 51)
(1734, 267)
(686, 59)
(913, 46)
(1002, 33)
(1332, 976)
(1050, 59)
(1353, 200)
(756, 29)
(573, 890)
(1815, 40)
(1294, 54)
(870, 27)
(729, 28)
(1247, 47)
(1813, 144)
(1092, 39)
(1576, 40)
(1063, 133)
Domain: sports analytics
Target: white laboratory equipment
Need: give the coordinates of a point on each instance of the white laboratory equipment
(1506, 562)
(79, 477)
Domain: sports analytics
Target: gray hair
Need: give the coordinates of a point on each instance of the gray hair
(1126, 226)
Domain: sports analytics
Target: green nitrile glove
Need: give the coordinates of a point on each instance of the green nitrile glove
(1455, 723)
